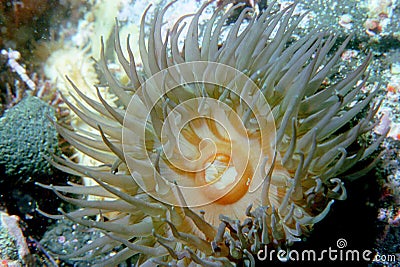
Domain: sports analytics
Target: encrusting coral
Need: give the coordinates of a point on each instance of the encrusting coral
(193, 169)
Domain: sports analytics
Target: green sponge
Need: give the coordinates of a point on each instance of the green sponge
(27, 138)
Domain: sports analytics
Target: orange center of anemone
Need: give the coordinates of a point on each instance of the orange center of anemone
(225, 174)
(203, 154)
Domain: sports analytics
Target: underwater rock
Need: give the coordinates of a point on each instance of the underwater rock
(13, 248)
(27, 138)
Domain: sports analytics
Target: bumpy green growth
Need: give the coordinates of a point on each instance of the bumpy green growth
(27, 138)
(65, 237)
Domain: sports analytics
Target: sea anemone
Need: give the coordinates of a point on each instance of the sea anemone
(219, 147)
